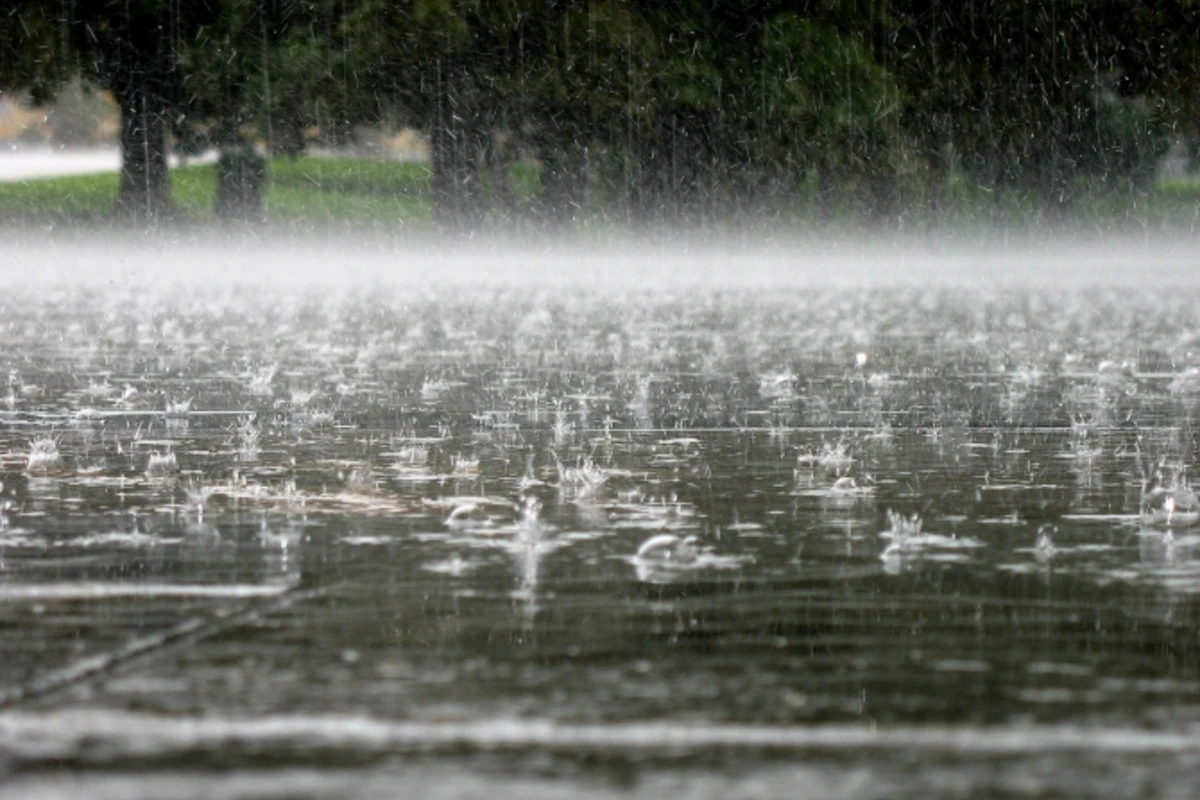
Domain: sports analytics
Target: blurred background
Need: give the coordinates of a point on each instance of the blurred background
(586, 113)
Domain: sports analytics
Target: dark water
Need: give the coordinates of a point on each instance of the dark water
(376, 542)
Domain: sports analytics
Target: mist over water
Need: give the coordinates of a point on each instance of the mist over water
(284, 260)
(572, 516)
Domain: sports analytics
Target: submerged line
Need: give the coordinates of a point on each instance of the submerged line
(190, 630)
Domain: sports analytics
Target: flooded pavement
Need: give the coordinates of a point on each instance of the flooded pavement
(486, 541)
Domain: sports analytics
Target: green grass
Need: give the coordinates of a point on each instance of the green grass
(285, 203)
(193, 190)
(351, 176)
(306, 191)
(77, 196)
(318, 192)
(91, 197)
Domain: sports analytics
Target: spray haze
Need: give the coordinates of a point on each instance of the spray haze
(283, 262)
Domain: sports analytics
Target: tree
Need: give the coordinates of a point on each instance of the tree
(258, 81)
(446, 67)
(584, 87)
(687, 111)
(129, 47)
(34, 54)
(830, 107)
(1045, 98)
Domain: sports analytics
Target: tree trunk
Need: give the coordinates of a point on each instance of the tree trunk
(145, 191)
(456, 183)
(881, 182)
(241, 175)
(651, 200)
(455, 145)
(497, 159)
(827, 186)
(1055, 177)
(937, 178)
(882, 196)
(564, 159)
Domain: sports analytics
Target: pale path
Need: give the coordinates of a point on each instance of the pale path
(29, 162)
(25, 162)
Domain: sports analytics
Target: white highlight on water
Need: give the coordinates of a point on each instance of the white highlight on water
(38, 592)
(60, 733)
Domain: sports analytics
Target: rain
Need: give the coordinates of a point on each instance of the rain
(581, 399)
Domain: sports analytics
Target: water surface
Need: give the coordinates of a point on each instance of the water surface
(326, 538)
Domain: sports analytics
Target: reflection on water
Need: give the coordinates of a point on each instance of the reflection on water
(733, 508)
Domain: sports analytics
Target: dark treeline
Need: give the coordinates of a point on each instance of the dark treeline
(667, 112)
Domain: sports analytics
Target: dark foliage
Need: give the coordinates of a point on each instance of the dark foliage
(688, 111)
